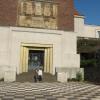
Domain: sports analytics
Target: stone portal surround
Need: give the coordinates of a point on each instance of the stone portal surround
(49, 91)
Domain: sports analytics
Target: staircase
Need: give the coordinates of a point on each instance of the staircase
(29, 77)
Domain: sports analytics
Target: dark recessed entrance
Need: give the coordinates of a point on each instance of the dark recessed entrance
(35, 59)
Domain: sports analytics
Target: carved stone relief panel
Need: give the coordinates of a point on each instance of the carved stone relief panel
(38, 8)
(37, 22)
(47, 24)
(38, 14)
(21, 8)
(47, 9)
(29, 8)
(21, 20)
(53, 23)
(28, 21)
(55, 10)
(25, 21)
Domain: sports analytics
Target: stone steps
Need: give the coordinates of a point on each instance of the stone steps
(29, 77)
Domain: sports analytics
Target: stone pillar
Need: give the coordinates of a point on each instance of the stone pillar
(62, 76)
(9, 74)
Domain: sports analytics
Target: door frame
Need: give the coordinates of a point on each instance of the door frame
(48, 56)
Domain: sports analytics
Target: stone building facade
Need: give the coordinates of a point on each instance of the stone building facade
(40, 30)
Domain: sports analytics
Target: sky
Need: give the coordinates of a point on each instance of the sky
(90, 9)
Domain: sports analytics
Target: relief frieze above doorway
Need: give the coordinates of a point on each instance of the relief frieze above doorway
(38, 14)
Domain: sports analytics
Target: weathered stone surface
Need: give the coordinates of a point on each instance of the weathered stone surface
(38, 14)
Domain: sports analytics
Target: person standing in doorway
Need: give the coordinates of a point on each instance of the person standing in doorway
(40, 74)
(35, 75)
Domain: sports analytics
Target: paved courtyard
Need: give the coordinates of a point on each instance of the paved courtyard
(49, 91)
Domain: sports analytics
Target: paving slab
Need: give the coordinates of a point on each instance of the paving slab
(49, 91)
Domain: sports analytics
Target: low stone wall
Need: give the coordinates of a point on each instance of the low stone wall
(10, 76)
(63, 74)
(7, 73)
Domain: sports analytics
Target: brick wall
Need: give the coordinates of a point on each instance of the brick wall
(8, 12)
(65, 15)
